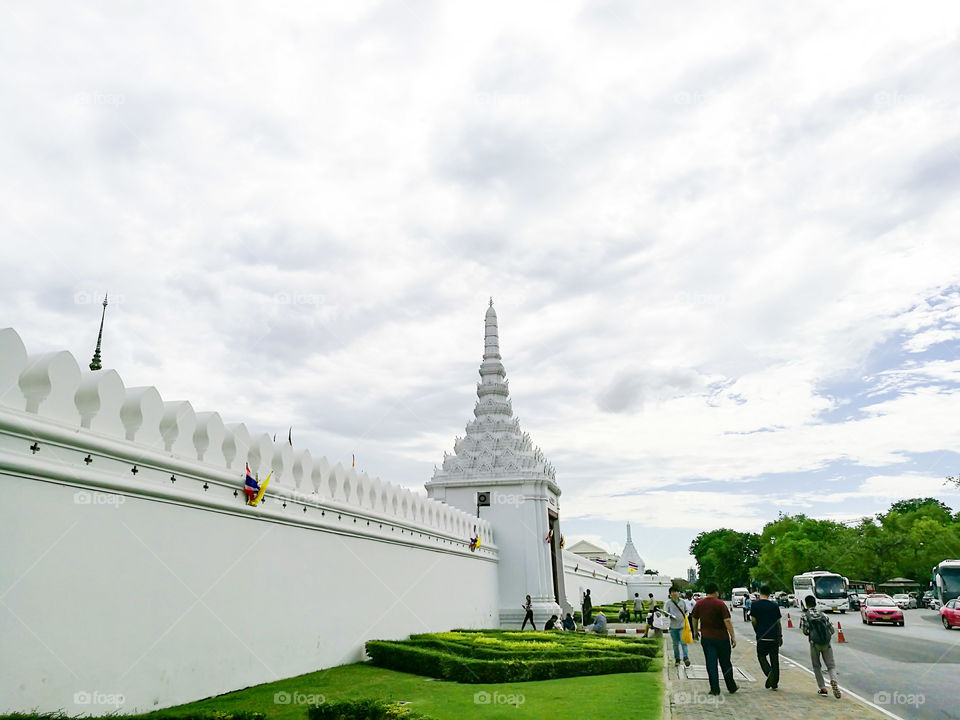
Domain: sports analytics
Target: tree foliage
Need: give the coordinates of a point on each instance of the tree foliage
(905, 541)
(725, 556)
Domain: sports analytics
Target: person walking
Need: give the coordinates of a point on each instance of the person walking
(586, 609)
(528, 606)
(819, 630)
(765, 616)
(712, 625)
(637, 607)
(676, 608)
(747, 604)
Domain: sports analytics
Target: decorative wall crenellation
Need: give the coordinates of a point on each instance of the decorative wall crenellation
(94, 406)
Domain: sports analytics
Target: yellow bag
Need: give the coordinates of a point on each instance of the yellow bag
(686, 636)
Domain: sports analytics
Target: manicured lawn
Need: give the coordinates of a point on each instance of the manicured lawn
(628, 696)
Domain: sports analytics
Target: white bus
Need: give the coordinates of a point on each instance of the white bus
(829, 589)
(946, 581)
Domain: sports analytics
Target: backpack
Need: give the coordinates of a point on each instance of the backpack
(819, 629)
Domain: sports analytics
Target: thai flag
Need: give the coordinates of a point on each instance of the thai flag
(251, 487)
(632, 565)
(599, 560)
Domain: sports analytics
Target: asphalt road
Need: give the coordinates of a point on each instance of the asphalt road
(911, 671)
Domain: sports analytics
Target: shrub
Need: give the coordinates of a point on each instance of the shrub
(363, 710)
(473, 658)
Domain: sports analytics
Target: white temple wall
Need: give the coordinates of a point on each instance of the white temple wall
(518, 513)
(133, 569)
(606, 586)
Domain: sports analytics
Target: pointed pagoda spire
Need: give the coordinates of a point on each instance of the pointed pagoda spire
(494, 446)
(493, 391)
(491, 339)
(95, 363)
(630, 560)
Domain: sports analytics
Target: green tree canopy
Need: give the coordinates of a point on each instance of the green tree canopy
(725, 556)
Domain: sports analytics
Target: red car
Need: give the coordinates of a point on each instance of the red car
(877, 608)
(950, 614)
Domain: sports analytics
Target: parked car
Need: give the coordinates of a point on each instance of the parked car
(904, 601)
(880, 608)
(926, 598)
(934, 603)
(950, 614)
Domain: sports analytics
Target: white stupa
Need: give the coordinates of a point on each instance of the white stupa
(494, 446)
(497, 458)
(628, 556)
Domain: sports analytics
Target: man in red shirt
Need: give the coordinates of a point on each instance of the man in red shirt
(713, 627)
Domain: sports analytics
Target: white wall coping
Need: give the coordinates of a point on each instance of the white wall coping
(48, 398)
(58, 460)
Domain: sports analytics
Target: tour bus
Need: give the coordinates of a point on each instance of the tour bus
(737, 595)
(829, 589)
(946, 581)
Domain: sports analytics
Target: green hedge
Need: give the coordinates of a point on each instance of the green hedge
(455, 659)
(363, 710)
(649, 649)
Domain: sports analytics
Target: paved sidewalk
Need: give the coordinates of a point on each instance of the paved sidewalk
(796, 699)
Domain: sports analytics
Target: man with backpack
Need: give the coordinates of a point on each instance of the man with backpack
(818, 629)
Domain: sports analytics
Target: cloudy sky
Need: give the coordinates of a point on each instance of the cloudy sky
(721, 238)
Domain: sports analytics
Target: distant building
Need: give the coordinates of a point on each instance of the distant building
(595, 554)
(691, 575)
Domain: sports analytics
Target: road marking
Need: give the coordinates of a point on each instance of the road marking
(848, 692)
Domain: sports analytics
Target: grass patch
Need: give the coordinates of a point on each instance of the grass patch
(611, 697)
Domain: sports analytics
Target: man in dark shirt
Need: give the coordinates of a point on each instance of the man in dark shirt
(765, 616)
(712, 625)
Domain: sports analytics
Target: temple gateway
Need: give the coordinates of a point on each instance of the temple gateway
(498, 473)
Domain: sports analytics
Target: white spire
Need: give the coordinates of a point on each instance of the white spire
(494, 445)
(629, 555)
(493, 392)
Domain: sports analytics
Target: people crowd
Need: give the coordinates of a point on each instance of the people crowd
(707, 621)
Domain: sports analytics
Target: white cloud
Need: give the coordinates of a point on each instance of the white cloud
(690, 232)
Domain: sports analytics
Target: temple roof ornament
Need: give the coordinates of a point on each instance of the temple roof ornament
(494, 445)
(95, 363)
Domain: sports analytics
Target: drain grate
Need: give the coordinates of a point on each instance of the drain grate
(699, 672)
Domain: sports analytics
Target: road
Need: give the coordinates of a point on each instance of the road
(911, 671)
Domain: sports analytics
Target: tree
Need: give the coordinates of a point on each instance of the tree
(648, 571)
(725, 556)
(915, 504)
(796, 544)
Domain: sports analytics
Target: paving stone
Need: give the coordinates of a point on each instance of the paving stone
(796, 699)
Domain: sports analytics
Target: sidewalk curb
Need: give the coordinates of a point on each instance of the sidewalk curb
(667, 710)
